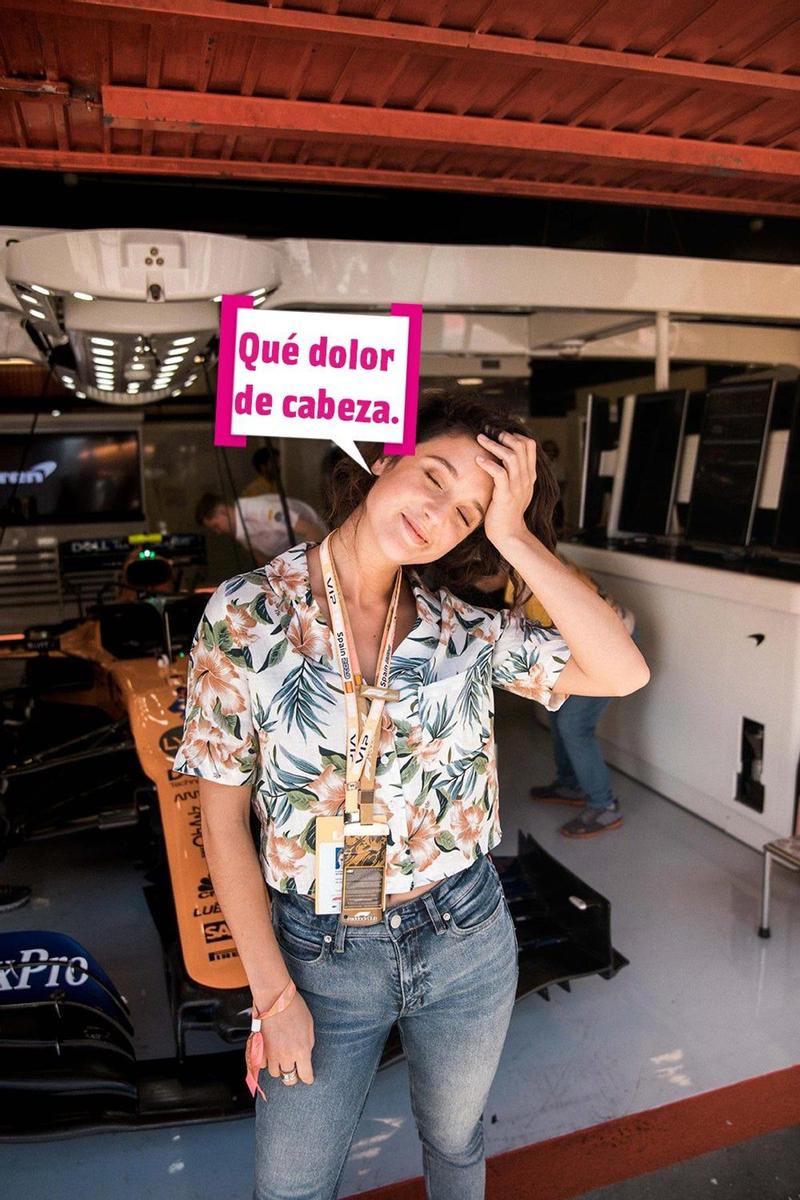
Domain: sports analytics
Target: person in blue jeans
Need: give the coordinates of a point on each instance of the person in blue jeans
(582, 777)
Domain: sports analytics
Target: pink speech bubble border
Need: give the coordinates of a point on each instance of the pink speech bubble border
(223, 423)
(409, 442)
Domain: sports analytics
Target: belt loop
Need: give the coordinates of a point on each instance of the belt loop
(433, 913)
(338, 941)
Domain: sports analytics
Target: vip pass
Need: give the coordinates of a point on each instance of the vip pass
(363, 842)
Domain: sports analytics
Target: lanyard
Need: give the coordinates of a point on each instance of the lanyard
(362, 725)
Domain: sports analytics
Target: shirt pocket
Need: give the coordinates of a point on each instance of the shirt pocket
(456, 703)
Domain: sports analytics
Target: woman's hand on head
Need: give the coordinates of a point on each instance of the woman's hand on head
(511, 462)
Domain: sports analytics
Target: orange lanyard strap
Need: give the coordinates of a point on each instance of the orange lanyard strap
(363, 729)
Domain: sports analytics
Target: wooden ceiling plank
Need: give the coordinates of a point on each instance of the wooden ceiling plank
(486, 18)
(205, 65)
(104, 58)
(590, 101)
(668, 43)
(11, 156)
(585, 20)
(496, 51)
(752, 50)
(437, 13)
(339, 89)
(173, 111)
(20, 131)
(53, 91)
(390, 80)
(298, 78)
(514, 93)
(437, 80)
(732, 118)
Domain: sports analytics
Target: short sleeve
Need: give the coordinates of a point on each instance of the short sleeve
(528, 657)
(219, 740)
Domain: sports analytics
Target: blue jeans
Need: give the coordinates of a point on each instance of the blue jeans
(444, 966)
(579, 760)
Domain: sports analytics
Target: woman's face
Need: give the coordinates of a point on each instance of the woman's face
(424, 504)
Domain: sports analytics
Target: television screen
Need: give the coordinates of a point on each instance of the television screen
(69, 478)
(729, 463)
(650, 472)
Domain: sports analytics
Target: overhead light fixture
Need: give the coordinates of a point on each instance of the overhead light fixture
(469, 381)
(145, 323)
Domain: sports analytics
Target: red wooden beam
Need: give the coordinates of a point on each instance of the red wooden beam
(34, 89)
(268, 172)
(170, 111)
(394, 37)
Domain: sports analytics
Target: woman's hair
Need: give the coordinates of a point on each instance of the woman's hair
(475, 556)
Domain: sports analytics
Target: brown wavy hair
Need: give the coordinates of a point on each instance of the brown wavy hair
(475, 556)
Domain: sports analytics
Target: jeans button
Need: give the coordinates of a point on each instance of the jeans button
(445, 916)
(395, 921)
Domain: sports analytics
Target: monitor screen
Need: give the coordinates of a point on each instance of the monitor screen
(787, 525)
(729, 463)
(650, 471)
(69, 478)
(600, 435)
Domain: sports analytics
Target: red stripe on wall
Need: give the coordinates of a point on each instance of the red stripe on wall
(565, 1167)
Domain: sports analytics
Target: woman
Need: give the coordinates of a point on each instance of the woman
(266, 720)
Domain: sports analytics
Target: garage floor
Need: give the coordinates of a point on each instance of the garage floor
(704, 1003)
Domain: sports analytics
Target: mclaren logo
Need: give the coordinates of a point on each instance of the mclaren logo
(35, 474)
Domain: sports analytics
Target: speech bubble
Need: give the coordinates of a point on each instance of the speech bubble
(342, 377)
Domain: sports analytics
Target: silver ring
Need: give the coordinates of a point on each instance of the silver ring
(289, 1076)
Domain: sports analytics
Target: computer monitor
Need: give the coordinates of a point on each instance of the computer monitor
(600, 436)
(787, 523)
(730, 460)
(651, 464)
(70, 478)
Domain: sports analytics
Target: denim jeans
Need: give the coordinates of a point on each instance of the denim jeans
(579, 760)
(444, 966)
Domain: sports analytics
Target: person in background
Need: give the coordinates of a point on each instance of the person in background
(267, 466)
(582, 777)
(258, 522)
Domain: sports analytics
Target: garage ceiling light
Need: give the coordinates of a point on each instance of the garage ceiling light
(143, 317)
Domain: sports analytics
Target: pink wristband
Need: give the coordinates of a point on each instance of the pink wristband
(254, 1049)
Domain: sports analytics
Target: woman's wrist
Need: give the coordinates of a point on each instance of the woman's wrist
(264, 998)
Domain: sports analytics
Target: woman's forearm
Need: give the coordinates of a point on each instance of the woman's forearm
(242, 894)
(597, 638)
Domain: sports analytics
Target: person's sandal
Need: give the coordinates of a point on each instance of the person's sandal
(593, 821)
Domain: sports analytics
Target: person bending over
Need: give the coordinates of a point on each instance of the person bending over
(258, 522)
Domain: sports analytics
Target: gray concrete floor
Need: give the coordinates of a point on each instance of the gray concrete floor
(704, 1003)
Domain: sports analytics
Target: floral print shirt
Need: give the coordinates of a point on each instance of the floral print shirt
(264, 707)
